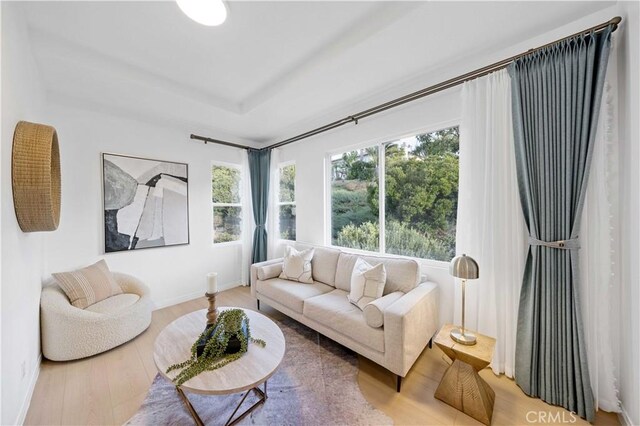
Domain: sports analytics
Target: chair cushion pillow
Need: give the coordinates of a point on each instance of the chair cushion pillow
(367, 283)
(402, 274)
(89, 285)
(114, 304)
(297, 265)
(289, 293)
(334, 311)
(374, 310)
(267, 272)
(324, 263)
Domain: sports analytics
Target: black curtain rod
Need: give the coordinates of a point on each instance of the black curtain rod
(472, 75)
(218, 141)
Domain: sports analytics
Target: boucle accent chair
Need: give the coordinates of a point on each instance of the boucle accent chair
(72, 333)
(393, 333)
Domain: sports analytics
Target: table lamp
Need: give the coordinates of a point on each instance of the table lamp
(465, 268)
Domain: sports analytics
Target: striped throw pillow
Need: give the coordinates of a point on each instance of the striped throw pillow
(89, 285)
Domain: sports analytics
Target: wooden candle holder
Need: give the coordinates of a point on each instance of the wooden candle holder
(212, 312)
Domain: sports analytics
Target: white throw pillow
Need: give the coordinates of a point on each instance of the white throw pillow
(374, 311)
(267, 272)
(297, 265)
(367, 283)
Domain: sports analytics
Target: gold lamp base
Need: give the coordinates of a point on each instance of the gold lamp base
(463, 337)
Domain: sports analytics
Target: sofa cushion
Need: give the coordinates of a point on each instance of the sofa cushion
(296, 265)
(334, 310)
(367, 283)
(402, 274)
(374, 311)
(323, 265)
(267, 272)
(290, 293)
(89, 285)
(114, 304)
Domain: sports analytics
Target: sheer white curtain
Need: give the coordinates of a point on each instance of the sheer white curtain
(247, 218)
(599, 264)
(490, 226)
(273, 222)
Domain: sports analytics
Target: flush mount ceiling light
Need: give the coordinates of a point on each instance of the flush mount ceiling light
(205, 12)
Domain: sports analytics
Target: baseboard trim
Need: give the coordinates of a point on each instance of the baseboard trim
(624, 418)
(26, 403)
(190, 296)
(176, 300)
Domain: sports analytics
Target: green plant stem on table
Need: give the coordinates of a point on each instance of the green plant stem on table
(229, 324)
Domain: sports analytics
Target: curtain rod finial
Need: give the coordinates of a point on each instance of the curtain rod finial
(615, 21)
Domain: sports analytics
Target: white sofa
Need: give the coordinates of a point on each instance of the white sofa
(72, 333)
(409, 321)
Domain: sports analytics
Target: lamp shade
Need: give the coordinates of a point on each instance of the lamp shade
(464, 267)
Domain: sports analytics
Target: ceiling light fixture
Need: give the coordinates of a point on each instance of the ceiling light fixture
(205, 12)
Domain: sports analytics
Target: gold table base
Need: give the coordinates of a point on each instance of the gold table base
(463, 389)
(262, 395)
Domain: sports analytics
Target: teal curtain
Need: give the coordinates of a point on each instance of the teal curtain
(556, 100)
(259, 164)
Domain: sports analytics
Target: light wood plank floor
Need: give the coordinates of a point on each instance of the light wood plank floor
(109, 388)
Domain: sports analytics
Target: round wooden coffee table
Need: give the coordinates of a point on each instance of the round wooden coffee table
(173, 345)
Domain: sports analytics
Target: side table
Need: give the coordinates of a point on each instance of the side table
(461, 386)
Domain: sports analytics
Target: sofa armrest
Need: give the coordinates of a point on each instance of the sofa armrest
(409, 323)
(254, 271)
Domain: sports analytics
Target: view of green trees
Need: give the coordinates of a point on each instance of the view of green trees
(421, 196)
(287, 198)
(227, 213)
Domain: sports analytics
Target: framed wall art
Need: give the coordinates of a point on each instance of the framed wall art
(145, 202)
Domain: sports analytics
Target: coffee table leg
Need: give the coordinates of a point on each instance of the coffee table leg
(262, 395)
(192, 410)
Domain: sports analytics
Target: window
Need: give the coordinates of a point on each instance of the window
(354, 199)
(227, 203)
(287, 202)
(419, 179)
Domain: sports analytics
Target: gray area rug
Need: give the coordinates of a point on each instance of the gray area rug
(316, 384)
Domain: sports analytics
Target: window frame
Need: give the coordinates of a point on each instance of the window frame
(286, 203)
(241, 191)
(378, 142)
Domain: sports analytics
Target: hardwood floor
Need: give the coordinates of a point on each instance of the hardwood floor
(109, 388)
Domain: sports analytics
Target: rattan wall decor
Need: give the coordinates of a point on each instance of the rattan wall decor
(35, 177)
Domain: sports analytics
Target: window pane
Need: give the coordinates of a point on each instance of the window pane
(421, 195)
(227, 224)
(225, 185)
(288, 222)
(354, 199)
(288, 183)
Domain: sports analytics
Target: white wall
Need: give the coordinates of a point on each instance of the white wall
(174, 274)
(22, 254)
(432, 113)
(1, 168)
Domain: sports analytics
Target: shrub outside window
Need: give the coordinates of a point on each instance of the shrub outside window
(227, 203)
(419, 178)
(287, 202)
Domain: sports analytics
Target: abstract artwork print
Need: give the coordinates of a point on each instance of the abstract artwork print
(146, 203)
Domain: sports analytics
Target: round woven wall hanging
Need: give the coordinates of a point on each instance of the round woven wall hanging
(35, 177)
